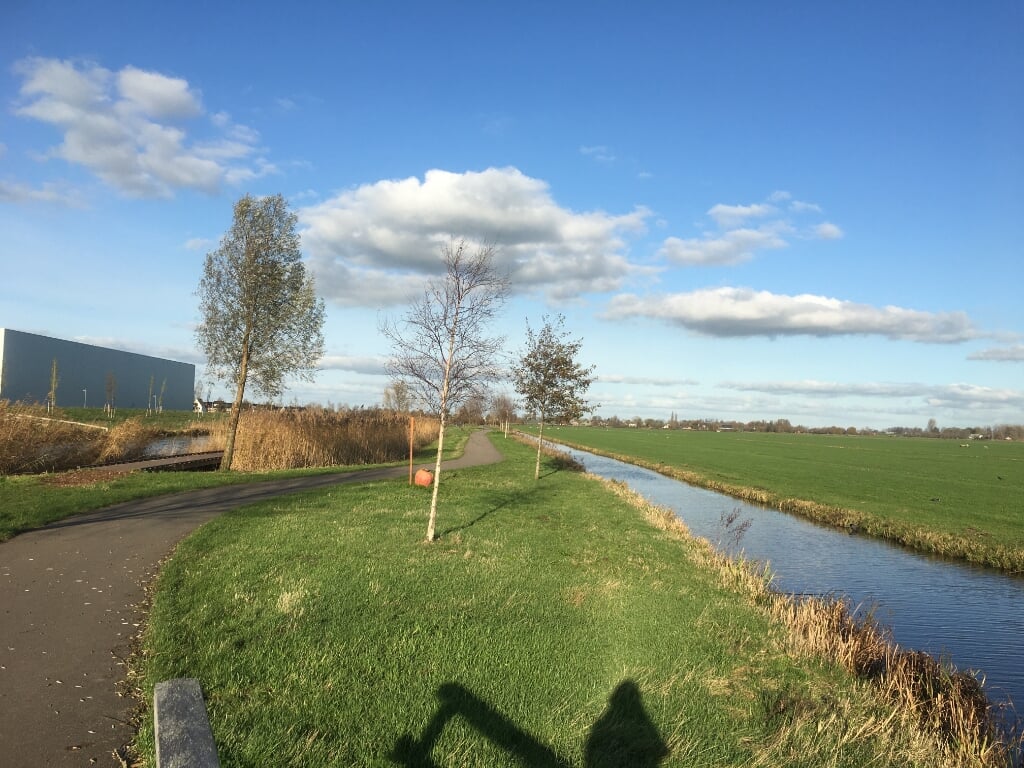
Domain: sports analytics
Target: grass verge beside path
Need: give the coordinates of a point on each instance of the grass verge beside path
(550, 625)
(962, 500)
(32, 501)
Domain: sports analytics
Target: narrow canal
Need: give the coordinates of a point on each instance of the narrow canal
(972, 617)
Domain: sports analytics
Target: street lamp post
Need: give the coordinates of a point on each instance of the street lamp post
(85, 395)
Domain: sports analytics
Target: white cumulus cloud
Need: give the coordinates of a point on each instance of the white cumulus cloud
(734, 215)
(798, 206)
(157, 95)
(732, 247)
(355, 364)
(737, 236)
(15, 192)
(733, 312)
(376, 244)
(1010, 354)
(127, 128)
(828, 231)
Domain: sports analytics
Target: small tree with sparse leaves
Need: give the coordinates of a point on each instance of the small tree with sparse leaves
(549, 379)
(443, 349)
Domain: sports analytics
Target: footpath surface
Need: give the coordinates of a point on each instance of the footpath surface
(71, 597)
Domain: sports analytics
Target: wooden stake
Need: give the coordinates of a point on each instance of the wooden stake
(412, 428)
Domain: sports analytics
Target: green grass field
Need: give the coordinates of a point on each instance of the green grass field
(550, 625)
(931, 494)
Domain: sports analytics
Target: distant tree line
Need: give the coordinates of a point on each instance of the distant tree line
(997, 432)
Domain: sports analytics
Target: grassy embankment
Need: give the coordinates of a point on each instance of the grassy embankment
(959, 499)
(267, 441)
(551, 625)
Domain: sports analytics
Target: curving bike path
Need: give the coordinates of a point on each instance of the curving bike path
(71, 599)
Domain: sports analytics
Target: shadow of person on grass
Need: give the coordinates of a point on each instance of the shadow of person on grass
(623, 737)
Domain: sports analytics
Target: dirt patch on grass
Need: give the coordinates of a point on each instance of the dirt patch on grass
(79, 477)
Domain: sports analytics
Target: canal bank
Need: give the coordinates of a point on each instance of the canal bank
(968, 616)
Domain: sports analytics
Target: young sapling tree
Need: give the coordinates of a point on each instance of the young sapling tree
(442, 349)
(549, 379)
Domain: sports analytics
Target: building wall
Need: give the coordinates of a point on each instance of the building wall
(82, 369)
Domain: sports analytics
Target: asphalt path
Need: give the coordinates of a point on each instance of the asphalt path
(72, 603)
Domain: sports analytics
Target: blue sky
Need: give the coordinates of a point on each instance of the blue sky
(800, 210)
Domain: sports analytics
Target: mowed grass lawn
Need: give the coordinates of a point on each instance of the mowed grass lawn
(551, 624)
(928, 493)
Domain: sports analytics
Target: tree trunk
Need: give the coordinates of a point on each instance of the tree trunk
(432, 520)
(540, 442)
(445, 390)
(236, 412)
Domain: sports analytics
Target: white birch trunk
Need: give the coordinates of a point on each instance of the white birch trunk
(432, 520)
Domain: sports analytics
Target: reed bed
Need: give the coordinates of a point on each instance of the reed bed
(126, 441)
(317, 437)
(33, 441)
(30, 441)
(945, 711)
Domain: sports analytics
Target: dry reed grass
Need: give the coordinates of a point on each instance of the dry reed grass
(126, 441)
(932, 714)
(316, 437)
(32, 441)
(947, 707)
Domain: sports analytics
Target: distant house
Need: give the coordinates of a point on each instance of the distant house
(88, 375)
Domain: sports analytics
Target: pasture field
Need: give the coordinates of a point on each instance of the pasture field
(963, 499)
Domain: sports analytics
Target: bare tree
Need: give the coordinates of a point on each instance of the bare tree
(502, 411)
(442, 348)
(261, 320)
(397, 397)
(472, 409)
(549, 379)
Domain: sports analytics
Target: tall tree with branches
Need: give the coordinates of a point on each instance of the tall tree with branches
(262, 321)
(443, 348)
(549, 379)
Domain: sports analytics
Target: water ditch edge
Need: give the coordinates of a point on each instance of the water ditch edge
(970, 616)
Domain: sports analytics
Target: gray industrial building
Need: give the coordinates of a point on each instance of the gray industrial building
(86, 372)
